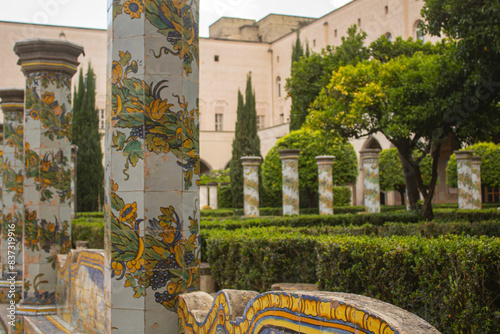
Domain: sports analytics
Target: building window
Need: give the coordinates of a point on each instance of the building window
(102, 122)
(216, 58)
(335, 33)
(278, 59)
(419, 34)
(359, 23)
(282, 118)
(386, 10)
(278, 86)
(314, 42)
(261, 122)
(219, 119)
(389, 36)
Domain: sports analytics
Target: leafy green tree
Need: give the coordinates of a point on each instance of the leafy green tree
(89, 169)
(312, 144)
(310, 74)
(405, 99)
(216, 175)
(490, 165)
(392, 175)
(246, 141)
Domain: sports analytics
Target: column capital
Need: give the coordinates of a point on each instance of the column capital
(369, 154)
(325, 160)
(12, 99)
(39, 54)
(289, 154)
(251, 161)
(463, 154)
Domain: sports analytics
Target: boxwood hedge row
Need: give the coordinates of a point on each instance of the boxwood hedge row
(453, 282)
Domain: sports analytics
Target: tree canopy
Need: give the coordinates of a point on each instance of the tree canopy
(246, 141)
(310, 74)
(85, 134)
(312, 144)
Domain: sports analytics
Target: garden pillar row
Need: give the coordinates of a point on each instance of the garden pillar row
(325, 181)
(370, 168)
(152, 163)
(251, 185)
(464, 174)
(290, 170)
(476, 183)
(48, 66)
(12, 180)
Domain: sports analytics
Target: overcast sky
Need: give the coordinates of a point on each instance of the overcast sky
(92, 13)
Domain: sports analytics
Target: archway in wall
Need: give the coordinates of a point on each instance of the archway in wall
(372, 143)
(204, 167)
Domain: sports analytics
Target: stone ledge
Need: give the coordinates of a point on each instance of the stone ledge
(48, 324)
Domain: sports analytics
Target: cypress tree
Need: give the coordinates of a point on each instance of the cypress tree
(89, 169)
(297, 49)
(246, 141)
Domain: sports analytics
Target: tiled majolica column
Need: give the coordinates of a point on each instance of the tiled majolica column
(325, 181)
(464, 172)
(477, 202)
(152, 163)
(48, 66)
(290, 169)
(370, 168)
(12, 175)
(3, 229)
(251, 185)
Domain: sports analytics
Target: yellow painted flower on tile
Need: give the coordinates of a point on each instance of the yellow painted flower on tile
(135, 265)
(157, 108)
(134, 8)
(34, 114)
(51, 227)
(129, 211)
(48, 98)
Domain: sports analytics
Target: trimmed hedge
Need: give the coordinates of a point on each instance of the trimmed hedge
(88, 229)
(300, 221)
(452, 282)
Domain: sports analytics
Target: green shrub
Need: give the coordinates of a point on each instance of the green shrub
(88, 229)
(256, 260)
(472, 216)
(452, 282)
(224, 197)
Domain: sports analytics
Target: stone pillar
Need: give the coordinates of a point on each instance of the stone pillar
(290, 169)
(48, 66)
(477, 202)
(251, 185)
(152, 163)
(204, 196)
(370, 168)
(12, 180)
(4, 233)
(325, 181)
(212, 195)
(464, 172)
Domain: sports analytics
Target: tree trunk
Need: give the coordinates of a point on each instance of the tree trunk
(410, 177)
(402, 193)
(428, 212)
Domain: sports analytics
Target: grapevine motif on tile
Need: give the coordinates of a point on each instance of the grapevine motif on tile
(371, 182)
(163, 258)
(163, 125)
